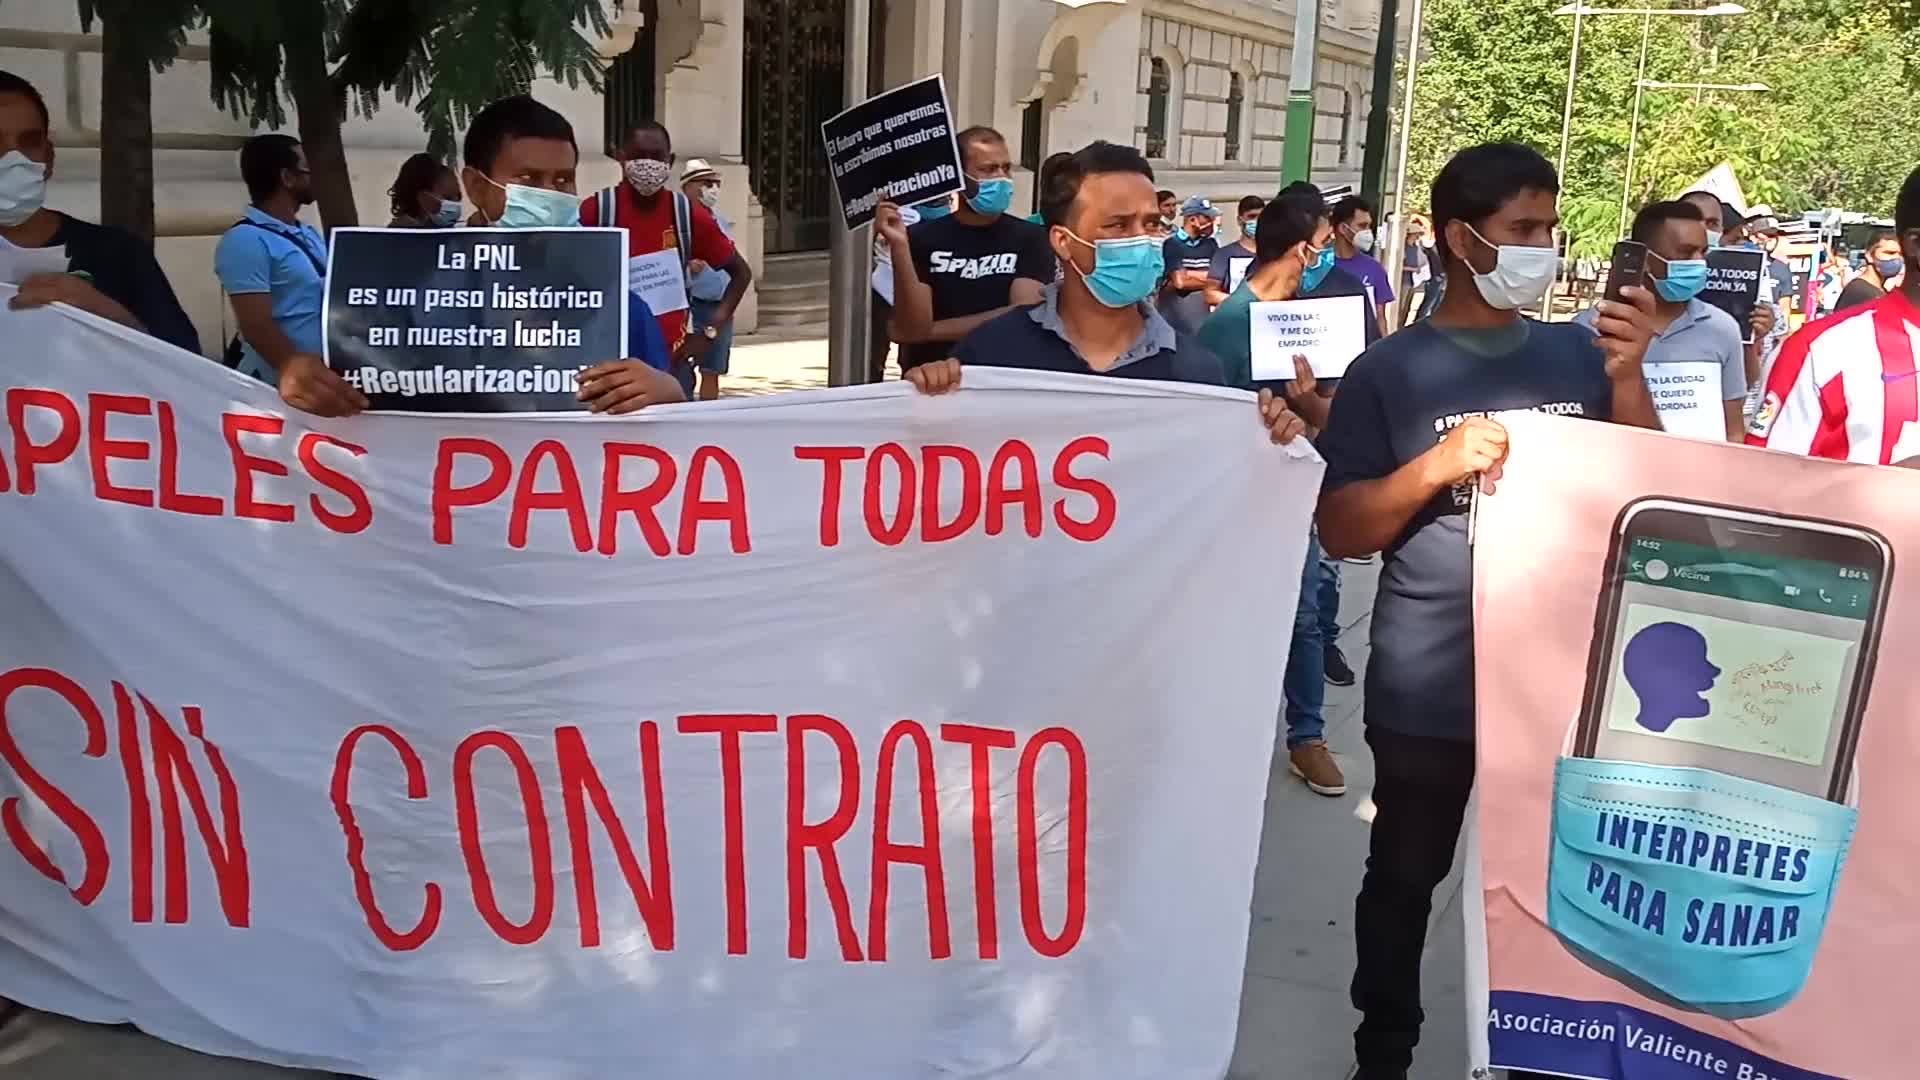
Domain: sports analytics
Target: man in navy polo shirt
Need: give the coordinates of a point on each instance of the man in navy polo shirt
(1103, 223)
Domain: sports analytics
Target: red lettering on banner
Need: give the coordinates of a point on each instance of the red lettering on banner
(1028, 843)
(396, 940)
(932, 529)
(234, 425)
(226, 846)
(359, 514)
(1104, 506)
(821, 836)
(982, 741)
(101, 449)
(833, 461)
(139, 809)
(731, 507)
(890, 533)
(29, 455)
(580, 784)
(569, 498)
(1025, 494)
(93, 844)
(171, 497)
(447, 498)
(643, 503)
(925, 854)
(730, 726)
(539, 839)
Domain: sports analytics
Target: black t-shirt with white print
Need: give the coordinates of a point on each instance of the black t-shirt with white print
(971, 268)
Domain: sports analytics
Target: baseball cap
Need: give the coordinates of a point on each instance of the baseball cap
(1198, 206)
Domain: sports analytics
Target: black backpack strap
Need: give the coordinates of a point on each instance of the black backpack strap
(291, 238)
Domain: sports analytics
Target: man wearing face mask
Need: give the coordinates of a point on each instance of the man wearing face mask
(95, 268)
(659, 220)
(708, 286)
(971, 265)
(1882, 272)
(1353, 243)
(1687, 330)
(1189, 256)
(1098, 319)
(1232, 261)
(273, 267)
(1410, 436)
(520, 161)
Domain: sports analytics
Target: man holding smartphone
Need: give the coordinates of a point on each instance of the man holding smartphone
(1692, 339)
(1411, 435)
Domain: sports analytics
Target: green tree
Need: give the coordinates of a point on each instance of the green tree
(137, 38)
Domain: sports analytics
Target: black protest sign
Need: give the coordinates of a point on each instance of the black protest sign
(898, 147)
(475, 320)
(1733, 284)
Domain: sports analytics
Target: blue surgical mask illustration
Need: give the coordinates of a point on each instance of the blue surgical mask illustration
(1703, 890)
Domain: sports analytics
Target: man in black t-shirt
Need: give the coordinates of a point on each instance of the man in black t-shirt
(971, 265)
(1189, 255)
(94, 268)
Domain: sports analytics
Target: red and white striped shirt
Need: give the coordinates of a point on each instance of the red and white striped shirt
(1845, 387)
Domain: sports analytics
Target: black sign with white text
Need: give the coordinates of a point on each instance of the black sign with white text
(475, 320)
(897, 147)
(1733, 284)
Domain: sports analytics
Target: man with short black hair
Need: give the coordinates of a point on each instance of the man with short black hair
(970, 266)
(1353, 244)
(1885, 265)
(96, 268)
(1410, 437)
(1230, 263)
(1686, 329)
(1169, 202)
(1845, 387)
(273, 267)
(1713, 213)
(659, 219)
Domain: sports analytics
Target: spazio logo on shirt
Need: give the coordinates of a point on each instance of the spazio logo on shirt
(1005, 262)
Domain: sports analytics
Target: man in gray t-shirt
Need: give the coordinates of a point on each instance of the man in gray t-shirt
(1696, 364)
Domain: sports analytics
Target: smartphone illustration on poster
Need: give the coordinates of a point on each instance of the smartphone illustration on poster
(1736, 641)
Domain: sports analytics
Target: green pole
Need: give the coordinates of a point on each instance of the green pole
(1296, 162)
(1373, 164)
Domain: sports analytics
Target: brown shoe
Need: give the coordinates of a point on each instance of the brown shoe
(1313, 762)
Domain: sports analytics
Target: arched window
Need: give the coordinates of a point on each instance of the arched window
(1346, 125)
(1236, 100)
(1159, 93)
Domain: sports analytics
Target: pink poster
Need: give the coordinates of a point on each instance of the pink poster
(1698, 771)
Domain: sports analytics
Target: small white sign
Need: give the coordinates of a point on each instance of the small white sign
(17, 264)
(1237, 272)
(1329, 332)
(1689, 399)
(660, 281)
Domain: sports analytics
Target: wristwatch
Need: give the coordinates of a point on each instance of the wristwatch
(710, 333)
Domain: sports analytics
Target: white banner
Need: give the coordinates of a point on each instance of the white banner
(691, 745)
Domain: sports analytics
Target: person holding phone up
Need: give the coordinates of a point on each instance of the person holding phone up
(1411, 434)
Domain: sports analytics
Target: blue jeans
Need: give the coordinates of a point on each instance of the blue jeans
(1327, 587)
(1305, 684)
(701, 315)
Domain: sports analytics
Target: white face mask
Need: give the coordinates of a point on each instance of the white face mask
(1363, 240)
(1520, 274)
(710, 197)
(23, 188)
(647, 175)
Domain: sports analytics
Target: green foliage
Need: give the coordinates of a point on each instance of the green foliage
(1834, 130)
(158, 26)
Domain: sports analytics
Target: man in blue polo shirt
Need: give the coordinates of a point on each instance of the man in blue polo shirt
(273, 267)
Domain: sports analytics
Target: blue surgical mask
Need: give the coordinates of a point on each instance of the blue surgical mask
(1685, 278)
(537, 208)
(1250, 228)
(448, 215)
(1713, 239)
(1125, 271)
(939, 208)
(1888, 269)
(1317, 270)
(1701, 889)
(993, 196)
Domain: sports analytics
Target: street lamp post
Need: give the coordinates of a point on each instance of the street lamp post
(1642, 85)
(1396, 256)
(1633, 133)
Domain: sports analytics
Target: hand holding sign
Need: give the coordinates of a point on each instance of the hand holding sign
(1328, 332)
